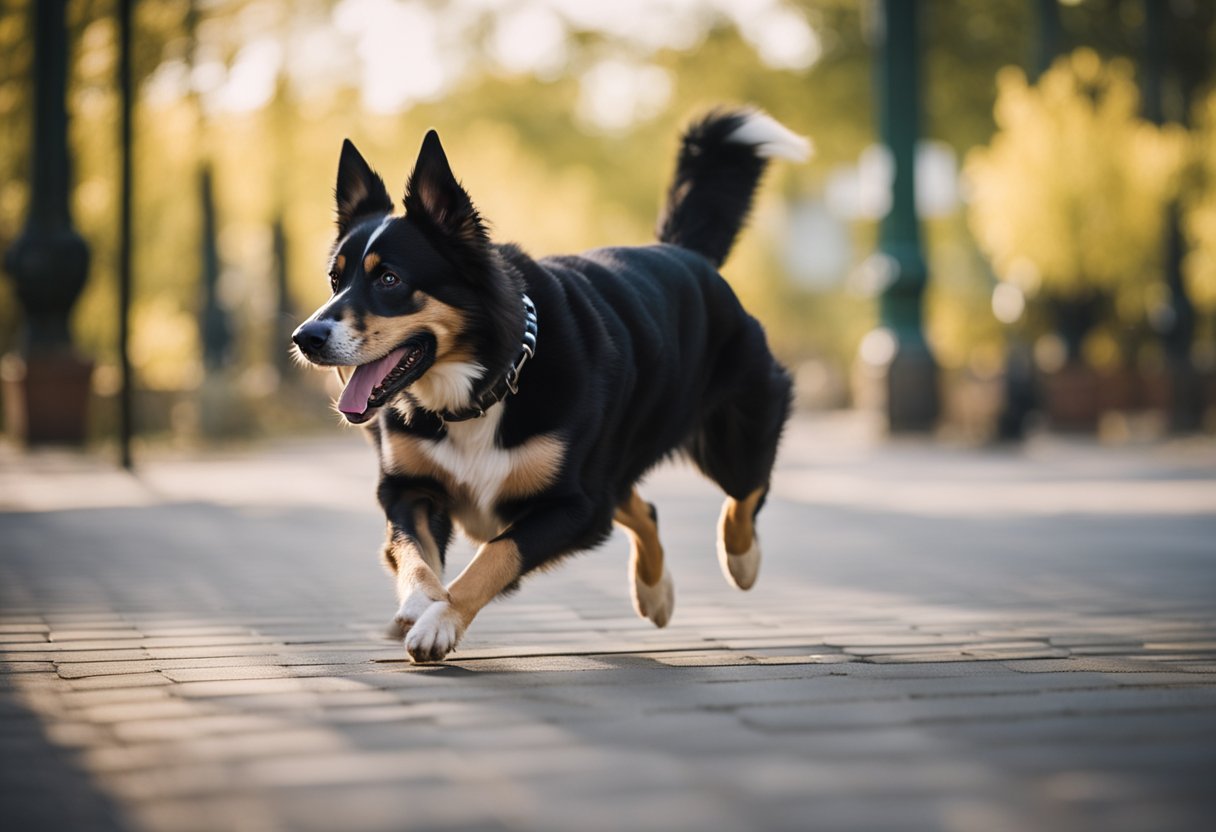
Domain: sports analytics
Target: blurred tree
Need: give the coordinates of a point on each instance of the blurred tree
(1069, 198)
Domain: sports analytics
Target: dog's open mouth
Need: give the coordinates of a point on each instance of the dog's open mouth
(373, 384)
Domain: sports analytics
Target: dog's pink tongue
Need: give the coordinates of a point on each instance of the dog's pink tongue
(364, 379)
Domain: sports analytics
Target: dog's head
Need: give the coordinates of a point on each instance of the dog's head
(420, 302)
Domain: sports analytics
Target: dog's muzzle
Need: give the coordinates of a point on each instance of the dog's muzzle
(311, 337)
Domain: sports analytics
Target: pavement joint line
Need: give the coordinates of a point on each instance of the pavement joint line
(541, 652)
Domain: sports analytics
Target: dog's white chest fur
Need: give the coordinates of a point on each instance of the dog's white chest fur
(472, 457)
(475, 469)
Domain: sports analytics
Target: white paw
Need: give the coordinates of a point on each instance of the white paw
(434, 634)
(411, 609)
(414, 605)
(655, 602)
(740, 570)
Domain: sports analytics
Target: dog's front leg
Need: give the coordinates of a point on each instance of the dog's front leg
(419, 531)
(543, 534)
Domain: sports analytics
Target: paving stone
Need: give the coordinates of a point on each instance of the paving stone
(77, 734)
(152, 730)
(217, 674)
(74, 656)
(60, 636)
(29, 681)
(131, 680)
(114, 696)
(8, 639)
(142, 710)
(247, 687)
(27, 667)
(8, 625)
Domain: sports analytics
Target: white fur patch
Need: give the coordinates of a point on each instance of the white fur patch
(447, 385)
(654, 602)
(771, 138)
(413, 607)
(435, 634)
(740, 570)
(379, 230)
(470, 453)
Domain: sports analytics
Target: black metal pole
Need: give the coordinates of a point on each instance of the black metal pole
(1049, 39)
(49, 260)
(125, 404)
(1186, 390)
(1021, 389)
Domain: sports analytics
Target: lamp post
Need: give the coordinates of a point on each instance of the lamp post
(49, 261)
(898, 350)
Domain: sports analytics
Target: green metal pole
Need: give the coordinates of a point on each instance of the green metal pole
(911, 372)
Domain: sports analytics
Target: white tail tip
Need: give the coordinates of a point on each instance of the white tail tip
(771, 138)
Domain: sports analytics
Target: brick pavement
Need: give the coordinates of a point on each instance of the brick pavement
(940, 639)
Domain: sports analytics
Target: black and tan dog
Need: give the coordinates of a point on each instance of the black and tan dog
(522, 399)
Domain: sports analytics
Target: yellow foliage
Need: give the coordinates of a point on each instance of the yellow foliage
(1199, 268)
(1074, 181)
(164, 345)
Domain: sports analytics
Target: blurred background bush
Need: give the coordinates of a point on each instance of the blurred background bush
(1068, 157)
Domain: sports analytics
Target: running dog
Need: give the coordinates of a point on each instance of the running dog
(522, 400)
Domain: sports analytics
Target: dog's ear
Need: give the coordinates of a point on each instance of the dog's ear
(435, 197)
(359, 190)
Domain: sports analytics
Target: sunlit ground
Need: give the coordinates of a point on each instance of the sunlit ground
(940, 639)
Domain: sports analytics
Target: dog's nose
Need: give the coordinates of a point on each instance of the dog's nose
(311, 336)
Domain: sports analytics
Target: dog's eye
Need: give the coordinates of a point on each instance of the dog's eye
(389, 280)
(333, 282)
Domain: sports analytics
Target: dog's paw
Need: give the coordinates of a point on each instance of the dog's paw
(655, 602)
(411, 609)
(434, 634)
(740, 570)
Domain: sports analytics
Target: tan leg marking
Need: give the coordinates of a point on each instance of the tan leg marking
(650, 583)
(495, 567)
(738, 550)
(416, 564)
(646, 554)
(738, 522)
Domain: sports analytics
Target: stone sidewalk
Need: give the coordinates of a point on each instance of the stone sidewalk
(940, 639)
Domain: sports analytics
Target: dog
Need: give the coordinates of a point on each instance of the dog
(522, 400)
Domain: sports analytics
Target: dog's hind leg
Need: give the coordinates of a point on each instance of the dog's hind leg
(650, 580)
(738, 548)
(736, 447)
(418, 535)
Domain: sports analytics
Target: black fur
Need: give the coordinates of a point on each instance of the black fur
(360, 190)
(711, 193)
(643, 352)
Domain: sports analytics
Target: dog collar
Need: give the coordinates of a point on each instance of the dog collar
(509, 381)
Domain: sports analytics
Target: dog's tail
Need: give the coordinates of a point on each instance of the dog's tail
(722, 158)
